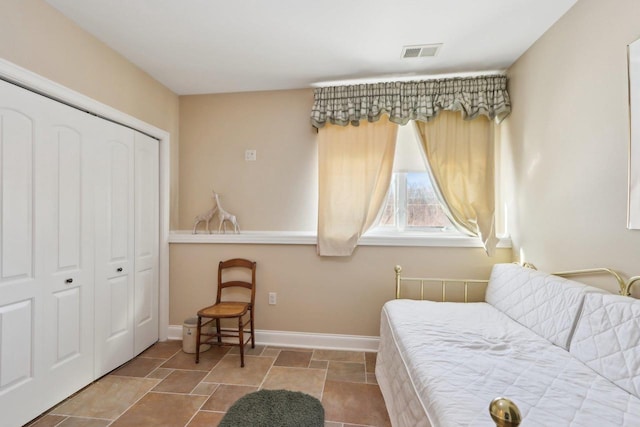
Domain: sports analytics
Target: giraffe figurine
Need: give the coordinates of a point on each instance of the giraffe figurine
(205, 217)
(224, 217)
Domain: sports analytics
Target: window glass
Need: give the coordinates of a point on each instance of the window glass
(423, 207)
(412, 203)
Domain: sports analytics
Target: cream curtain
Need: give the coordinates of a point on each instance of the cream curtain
(355, 169)
(460, 154)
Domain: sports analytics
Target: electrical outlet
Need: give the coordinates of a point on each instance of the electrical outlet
(250, 155)
(272, 298)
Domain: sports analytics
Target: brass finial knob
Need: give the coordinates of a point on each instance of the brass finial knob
(504, 412)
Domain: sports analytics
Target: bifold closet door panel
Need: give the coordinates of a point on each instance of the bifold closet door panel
(46, 321)
(66, 196)
(21, 266)
(147, 228)
(114, 252)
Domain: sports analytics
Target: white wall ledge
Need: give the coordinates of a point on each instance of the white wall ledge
(309, 238)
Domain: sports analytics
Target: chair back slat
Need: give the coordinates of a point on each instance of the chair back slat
(238, 283)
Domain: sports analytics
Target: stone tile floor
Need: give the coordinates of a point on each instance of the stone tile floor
(164, 387)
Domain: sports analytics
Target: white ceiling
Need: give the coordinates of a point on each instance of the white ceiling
(213, 46)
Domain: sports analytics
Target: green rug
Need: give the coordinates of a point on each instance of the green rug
(275, 408)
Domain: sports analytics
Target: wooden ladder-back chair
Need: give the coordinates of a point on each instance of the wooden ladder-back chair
(224, 309)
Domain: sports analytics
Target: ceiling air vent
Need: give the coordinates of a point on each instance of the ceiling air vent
(420, 51)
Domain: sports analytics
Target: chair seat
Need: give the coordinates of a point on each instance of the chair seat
(225, 309)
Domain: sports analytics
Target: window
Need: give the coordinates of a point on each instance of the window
(412, 204)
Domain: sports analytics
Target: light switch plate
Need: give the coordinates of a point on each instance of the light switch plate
(250, 155)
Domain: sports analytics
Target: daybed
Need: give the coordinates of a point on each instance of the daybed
(564, 352)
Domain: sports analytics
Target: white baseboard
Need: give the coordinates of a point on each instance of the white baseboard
(174, 332)
(302, 339)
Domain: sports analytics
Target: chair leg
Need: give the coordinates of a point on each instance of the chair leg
(241, 338)
(218, 330)
(253, 332)
(198, 339)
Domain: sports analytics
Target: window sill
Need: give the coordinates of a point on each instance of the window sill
(309, 238)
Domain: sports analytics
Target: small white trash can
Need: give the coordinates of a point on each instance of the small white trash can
(189, 331)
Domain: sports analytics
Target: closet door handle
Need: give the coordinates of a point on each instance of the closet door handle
(69, 281)
(119, 270)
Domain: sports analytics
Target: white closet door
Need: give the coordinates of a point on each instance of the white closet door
(114, 232)
(79, 234)
(146, 241)
(66, 197)
(21, 278)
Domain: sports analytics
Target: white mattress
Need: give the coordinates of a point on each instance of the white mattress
(441, 364)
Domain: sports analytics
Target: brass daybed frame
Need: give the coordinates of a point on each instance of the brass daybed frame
(623, 286)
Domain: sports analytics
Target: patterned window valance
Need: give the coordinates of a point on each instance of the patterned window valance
(416, 100)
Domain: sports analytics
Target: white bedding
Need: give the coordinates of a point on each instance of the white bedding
(452, 353)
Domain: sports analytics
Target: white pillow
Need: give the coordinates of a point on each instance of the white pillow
(548, 305)
(607, 339)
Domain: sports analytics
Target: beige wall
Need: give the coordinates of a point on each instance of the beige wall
(37, 37)
(316, 294)
(568, 140)
(279, 192)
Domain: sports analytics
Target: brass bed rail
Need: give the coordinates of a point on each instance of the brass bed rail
(630, 283)
(623, 286)
(442, 282)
